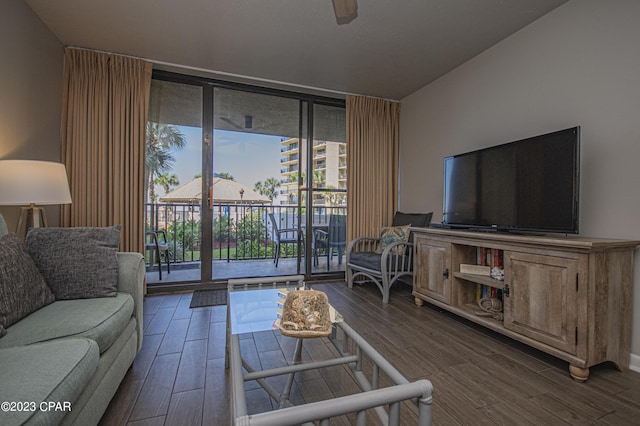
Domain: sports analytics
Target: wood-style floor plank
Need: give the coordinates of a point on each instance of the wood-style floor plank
(193, 364)
(185, 408)
(174, 337)
(479, 377)
(156, 393)
(199, 325)
(146, 356)
(216, 396)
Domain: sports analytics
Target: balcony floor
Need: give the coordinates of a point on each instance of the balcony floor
(223, 270)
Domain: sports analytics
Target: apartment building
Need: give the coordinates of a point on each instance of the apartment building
(328, 165)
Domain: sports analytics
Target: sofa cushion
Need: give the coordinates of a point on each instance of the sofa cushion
(77, 262)
(100, 319)
(3, 227)
(54, 371)
(22, 287)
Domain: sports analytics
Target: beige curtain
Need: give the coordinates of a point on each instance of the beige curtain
(373, 139)
(105, 105)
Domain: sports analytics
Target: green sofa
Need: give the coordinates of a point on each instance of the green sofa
(63, 363)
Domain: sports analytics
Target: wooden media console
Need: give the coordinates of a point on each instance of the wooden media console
(567, 296)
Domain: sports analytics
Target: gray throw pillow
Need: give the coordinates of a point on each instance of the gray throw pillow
(22, 286)
(3, 227)
(77, 263)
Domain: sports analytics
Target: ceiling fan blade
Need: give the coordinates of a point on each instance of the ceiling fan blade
(345, 10)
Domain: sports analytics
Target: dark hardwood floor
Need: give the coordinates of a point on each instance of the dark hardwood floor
(479, 377)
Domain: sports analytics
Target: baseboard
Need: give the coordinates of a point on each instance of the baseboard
(634, 364)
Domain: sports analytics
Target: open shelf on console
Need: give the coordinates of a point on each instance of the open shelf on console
(471, 309)
(480, 279)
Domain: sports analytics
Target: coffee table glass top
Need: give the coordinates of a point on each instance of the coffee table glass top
(254, 310)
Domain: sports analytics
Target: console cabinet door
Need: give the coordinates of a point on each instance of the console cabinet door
(431, 269)
(542, 298)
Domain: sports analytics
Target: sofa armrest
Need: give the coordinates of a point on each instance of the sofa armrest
(131, 273)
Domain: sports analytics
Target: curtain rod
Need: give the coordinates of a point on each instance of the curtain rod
(233, 75)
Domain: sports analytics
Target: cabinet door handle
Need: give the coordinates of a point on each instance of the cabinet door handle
(505, 290)
(446, 273)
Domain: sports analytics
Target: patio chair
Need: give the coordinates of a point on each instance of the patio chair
(334, 238)
(384, 268)
(282, 237)
(158, 249)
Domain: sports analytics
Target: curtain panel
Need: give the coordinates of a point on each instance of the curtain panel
(373, 140)
(105, 106)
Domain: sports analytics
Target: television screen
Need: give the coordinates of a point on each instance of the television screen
(529, 185)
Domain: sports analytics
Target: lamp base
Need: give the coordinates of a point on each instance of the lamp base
(31, 217)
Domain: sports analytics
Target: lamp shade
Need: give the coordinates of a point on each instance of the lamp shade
(26, 182)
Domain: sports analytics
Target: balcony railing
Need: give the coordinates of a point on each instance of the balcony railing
(240, 231)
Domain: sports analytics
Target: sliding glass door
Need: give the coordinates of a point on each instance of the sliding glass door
(328, 195)
(243, 181)
(173, 170)
(255, 159)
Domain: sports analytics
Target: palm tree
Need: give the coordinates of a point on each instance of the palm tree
(318, 178)
(271, 186)
(223, 175)
(268, 188)
(334, 198)
(162, 140)
(167, 181)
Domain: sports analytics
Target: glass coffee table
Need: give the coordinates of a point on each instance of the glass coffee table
(253, 306)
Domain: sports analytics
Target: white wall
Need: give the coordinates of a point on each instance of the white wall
(578, 65)
(30, 93)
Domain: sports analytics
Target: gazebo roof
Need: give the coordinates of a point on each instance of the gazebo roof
(225, 191)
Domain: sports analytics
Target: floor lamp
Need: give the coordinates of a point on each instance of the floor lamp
(32, 183)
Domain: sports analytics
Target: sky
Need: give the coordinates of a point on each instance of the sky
(247, 157)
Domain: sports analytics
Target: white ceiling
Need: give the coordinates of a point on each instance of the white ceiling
(390, 50)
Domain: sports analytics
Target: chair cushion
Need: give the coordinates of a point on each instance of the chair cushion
(373, 261)
(366, 259)
(22, 287)
(419, 220)
(54, 371)
(99, 319)
(77, 262)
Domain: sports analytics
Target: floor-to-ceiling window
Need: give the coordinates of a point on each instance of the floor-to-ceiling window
(250, 179)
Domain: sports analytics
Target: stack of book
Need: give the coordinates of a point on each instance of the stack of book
(489, 258)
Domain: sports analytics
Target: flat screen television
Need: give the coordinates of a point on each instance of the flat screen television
(530, 185)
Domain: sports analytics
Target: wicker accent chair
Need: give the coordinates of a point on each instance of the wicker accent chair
(393, 265)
